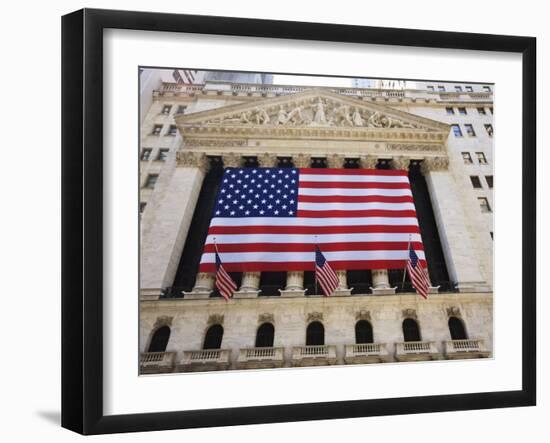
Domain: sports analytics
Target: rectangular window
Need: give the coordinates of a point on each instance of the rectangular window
(458, 88)
(181, 109)
(457, 131)
(469, 89)
(441, 88)
(476, 182)
(163, 153)
(157, 129)
(489, 129)
(481, 111)
(462, 111)
(467, 157)
(487, 88)
(450, 111)
(484, 204)
(172, 130)
(481, 158)
(470, 130)
(489, 180)
(431, 88)
(166, 109)
(151, 181)
(146, 154)
(491, 235)
(142, 207)
(491, 110)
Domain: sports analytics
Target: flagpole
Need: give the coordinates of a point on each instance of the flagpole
(405, 267)
(315, 265)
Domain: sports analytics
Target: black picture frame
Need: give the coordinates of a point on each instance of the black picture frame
(82, 240)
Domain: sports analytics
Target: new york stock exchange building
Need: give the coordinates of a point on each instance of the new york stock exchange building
(438, 135)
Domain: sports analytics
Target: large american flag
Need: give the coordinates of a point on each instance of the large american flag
(270, 219)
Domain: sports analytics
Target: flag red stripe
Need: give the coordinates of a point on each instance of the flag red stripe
(353, 185)
(367, 213)
(308, 265)
(354, 199)
(406, 229)
(338, 171)
(305, 247)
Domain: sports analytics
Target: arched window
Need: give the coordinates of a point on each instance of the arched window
(363, 332)
(315, 334)
(159, 340)
(213, 337)
(265, 335)
(410, 330)
(456, 327)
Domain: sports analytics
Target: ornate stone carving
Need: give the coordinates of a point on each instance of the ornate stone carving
(435, 164)
(368, 162)
(232, 160)
(363, 315)
(266, 318)
(215, 319)
(301, 161)
(453, 311)
(314, 316)
(163, 320)
(190, 159)
(335, 161)
(215, 143)
(267, 160)
(401, 162)
(409, 313)
(413, 147)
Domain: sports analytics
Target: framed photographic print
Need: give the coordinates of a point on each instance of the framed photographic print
(278, 221)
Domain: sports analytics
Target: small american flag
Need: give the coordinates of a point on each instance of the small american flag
(418, 274)
(324, 274)
(224, 282)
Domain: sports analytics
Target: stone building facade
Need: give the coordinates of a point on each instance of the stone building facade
(191, 132)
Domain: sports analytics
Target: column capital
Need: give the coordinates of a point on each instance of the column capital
(368, 161)
(267, 160)
(232, 160)
(301, 160)
(335, 161)
(190, 159)
(434, 164)
(401, 162)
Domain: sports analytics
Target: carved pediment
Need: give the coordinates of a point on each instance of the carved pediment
(311, 109)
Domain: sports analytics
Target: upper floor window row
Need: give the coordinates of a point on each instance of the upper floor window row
(167, 109)
(157, 130)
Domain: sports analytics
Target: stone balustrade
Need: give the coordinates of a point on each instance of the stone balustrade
(366, 353)
(256, 358)
(156, 362)
(468, 348)
(316, 355)
(205, 360)
(417, 351)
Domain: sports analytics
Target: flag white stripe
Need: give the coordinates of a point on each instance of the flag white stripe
(241, 257)
(356, 206)
(306, 221)
(354, 191)
(353, 178)
(226, 239)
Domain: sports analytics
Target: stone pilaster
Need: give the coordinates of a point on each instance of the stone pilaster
(294, 284)
(250, 286)
(462, 263)
(163, 235)
(381, 283)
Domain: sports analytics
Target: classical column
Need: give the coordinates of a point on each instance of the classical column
(301, 161)
(267, 160)
(381, 283)
(250, 286)
(204, 285)
(451, 220)
(294, 284)
(232, 160)
(368, 162)
(342, 288)
(335, 161)
(400, 162)
(175, 197)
